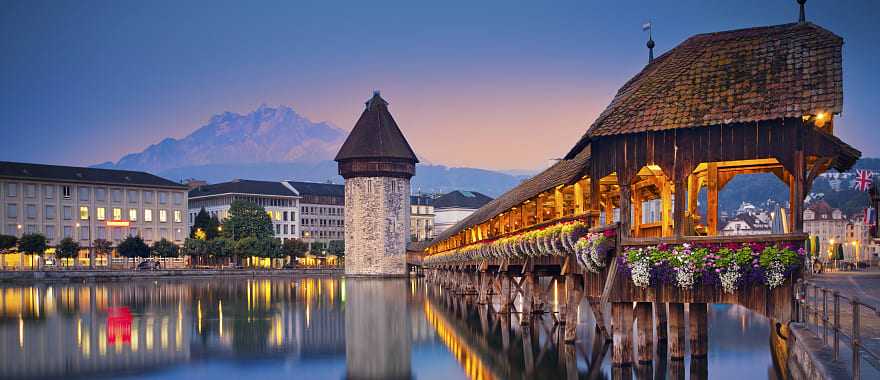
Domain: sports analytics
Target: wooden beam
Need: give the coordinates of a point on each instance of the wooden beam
(645, 329)
(621, 325)
(625, 214)
(594, 201)
(559, 202)
(712, 202)
(666, 208)
(637, 212)
(699, 329)
(574, 293)
(580, 206)
(797, 196)
(676, 331)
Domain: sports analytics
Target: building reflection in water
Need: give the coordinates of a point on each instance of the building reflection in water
(363, 328)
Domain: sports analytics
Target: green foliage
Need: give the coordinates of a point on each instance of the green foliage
(336, 248)
(318, 247)
(196, 247)
(259, 247)
(247, 219)
(67, 248)
(34, 244)
(294, 248)
(207, 224)
(133, 246)
(165, 248)
(7, 242)
(221, 247)
(102, 246)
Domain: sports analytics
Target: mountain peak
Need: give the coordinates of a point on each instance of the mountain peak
(266, 134)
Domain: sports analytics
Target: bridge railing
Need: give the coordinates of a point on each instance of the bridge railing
(813, 312)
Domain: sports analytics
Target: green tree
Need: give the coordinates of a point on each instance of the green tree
(221, 247)
(7, 242)
(195, 248)
(207, 224)
(165, 248)
(102, 247)
(336, 248)
(246, 247)
(133, 246)
(318, 248)
(270, 247)
(34, 244)
(247, 219)
(294, 248)
(67, 248)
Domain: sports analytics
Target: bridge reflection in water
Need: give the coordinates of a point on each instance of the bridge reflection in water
(321, 328)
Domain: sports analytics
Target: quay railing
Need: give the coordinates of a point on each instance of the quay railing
(813, 306)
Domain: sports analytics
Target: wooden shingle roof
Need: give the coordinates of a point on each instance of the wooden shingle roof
(376, 135)
(744, 75)
(561, 173)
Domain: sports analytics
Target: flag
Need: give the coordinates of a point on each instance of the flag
(870, 216)
(646, 26)
(863, 180)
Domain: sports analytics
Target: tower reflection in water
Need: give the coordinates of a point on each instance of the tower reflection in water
(310, 328)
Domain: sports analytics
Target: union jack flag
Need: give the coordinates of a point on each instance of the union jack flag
(870, 216)
(863, 180)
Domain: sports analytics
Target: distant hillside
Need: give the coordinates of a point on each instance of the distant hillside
(265, 135)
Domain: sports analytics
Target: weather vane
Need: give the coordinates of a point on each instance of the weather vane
(647, 27)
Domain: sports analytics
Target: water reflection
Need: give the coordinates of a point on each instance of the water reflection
(322, 328)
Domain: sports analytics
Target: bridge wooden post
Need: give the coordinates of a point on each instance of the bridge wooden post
(645, 329)
(621, 326)
(483, 292)
(676, 331)
(699, 329)
(505, 292)
(574, 293)
(660, 310)
(528, 352)
(599, 314)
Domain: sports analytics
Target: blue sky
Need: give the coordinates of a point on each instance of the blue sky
(493, 84)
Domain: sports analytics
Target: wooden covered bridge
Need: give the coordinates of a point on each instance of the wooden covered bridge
(758, 100)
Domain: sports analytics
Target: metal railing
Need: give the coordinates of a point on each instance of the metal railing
(812, 304)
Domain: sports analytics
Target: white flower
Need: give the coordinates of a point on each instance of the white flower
(775, 275)
(729, 278)
(641, 273)
(684, 276)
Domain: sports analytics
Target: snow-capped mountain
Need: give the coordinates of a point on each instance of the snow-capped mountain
(265, 135)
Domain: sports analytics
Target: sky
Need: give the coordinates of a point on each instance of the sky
(490, 84)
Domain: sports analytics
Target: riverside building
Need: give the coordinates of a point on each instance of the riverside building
(87, 204)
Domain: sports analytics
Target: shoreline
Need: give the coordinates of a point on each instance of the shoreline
(109, 275)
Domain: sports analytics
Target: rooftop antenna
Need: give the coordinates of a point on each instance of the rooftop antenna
(647, 26)
(802, 19)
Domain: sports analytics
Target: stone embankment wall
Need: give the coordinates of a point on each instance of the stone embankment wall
(377, 212)
(810, 359)
(123, 275)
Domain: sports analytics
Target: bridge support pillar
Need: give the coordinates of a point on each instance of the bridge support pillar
(676, 331)
(528, 290)
(574, 293)
(621, 326)
(483, 294)
(660, 312)
(598, 309)
(699, 329)
(505, 279)
(645, 329)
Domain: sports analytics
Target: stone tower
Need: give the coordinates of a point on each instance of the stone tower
(377, 164)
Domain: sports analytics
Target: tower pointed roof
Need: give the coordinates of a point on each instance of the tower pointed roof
(376, 135)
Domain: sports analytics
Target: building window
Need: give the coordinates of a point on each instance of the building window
(102, 213)
(148, 197)
(65, 192)
(30, 211)
(50, 232)
(116, 195)
(68, 231)
(133, 231)
(285, 216)
(12, 190)
(148, 234)
(177, 216)
(12, 210)
(84, 194)
(31, 228)
(163, 197)
(178, 198)
(49, 191)
(100, 195)
(148, 215)
(163, 233)
(277, 215)
(163, 216)
(117, 233)
(68, 212)
(11, 229)
(133, 214)
(277, 229)
(83, 213)
(50, 212)
(285, 229)
(30, 190)
(84, 233)
(101, 232)
(132, 196)
(117, 213)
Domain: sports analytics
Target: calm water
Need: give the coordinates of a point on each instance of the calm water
(317, 328)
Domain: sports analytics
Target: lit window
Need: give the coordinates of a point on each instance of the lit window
(102, 213)
(83, 213)
(117, 213)
(148, 215)
(133, 214)
(163, 216)
(277, 215)
(176, 216)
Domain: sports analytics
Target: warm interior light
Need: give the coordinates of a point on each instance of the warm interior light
(821, 117)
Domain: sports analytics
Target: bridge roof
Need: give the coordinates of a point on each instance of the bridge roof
(563, 172)
(744, 75)
(376, 135)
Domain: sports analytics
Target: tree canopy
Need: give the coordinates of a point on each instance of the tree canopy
(102, 246)
(204, 226)
(7, 242)
(67, 248)
(165, 248)
(259, 247)
(195, 247)
(336, 247)
(247, 219)
(294, 248)
(34, 244)
(133, 246)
